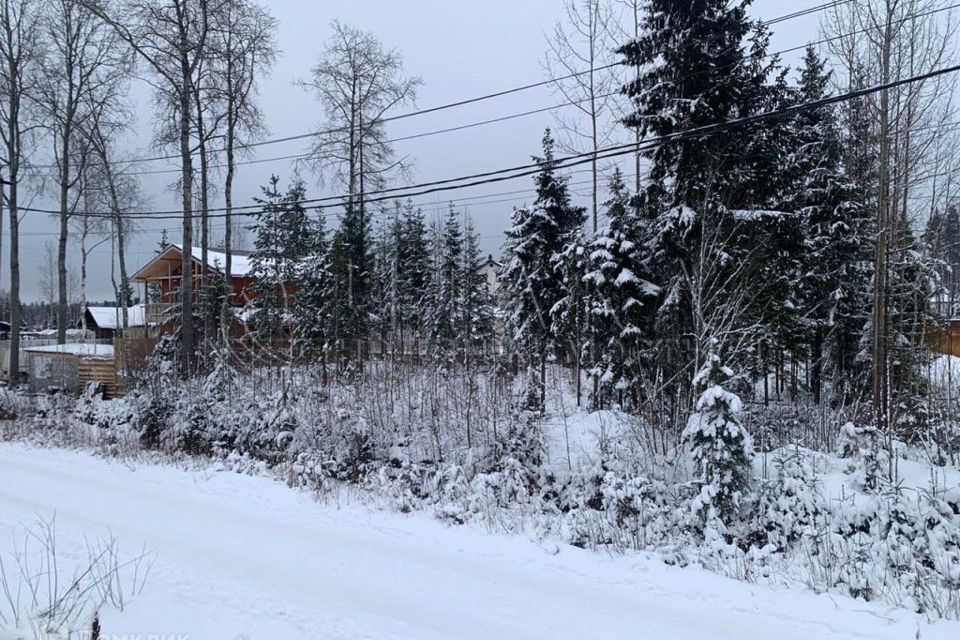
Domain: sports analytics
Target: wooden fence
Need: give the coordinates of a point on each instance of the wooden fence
(100, 371)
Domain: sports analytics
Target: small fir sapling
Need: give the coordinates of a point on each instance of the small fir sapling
(722, 449)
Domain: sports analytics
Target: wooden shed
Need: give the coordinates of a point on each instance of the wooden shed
(106, 323)
(71, 367)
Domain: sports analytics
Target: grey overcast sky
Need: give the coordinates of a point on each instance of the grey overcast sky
(460, 49)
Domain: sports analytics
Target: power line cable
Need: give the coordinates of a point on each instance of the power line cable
(508, 117)
(805, 12)
(512, 173)
(451, 105)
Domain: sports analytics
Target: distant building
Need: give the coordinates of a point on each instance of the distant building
(107, 322)
(491, 271)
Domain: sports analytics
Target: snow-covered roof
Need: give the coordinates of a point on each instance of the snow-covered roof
(240, 264)
(490, 262)
(248, 313)
(112, 317)
(52, 333)
(76, 349)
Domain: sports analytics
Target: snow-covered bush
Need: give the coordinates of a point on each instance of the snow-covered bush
(625, 511)
(523, 441)
(899, 548)
(791, 504)
(862, 446)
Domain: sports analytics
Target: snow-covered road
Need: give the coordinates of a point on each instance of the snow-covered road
(245, 557)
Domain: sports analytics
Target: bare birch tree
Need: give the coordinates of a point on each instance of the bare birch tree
(171, 37)
(108, 188)
(84, 65)
(19, 62)
(579, 61)
(48, 280)
(357, 82)
(86, 226)
(244, 43)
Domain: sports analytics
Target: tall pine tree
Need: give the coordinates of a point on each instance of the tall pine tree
(413, 278)
(286, 238)
(314, 298)
(351, 267)
(477, 311)
(447, 289)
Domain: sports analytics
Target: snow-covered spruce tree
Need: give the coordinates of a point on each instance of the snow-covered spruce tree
(722, 449)
(765, 243)
(622, 296)
(285, 239)
(447, 289)
(531, 284)
(209, 337)
(476, 323)
(835, 245)
(791, 504)
(850, 351)
(772, 242)
(698, 64)
(863, 447)
(569, 317)
(913, 284)
(413, 277)
(314, 297)
(351, 267)
(767, 232)
(383, 283)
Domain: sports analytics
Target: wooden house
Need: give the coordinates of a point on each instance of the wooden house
(161, 281)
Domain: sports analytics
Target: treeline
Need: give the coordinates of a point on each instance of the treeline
(40, 315)
(406, 289)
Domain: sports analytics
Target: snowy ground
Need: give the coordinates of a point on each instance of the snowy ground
(245, 557)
